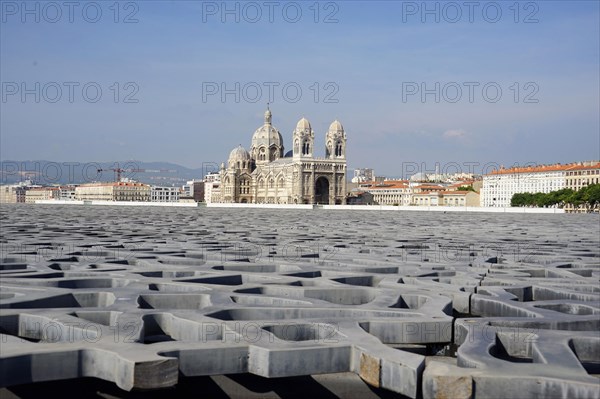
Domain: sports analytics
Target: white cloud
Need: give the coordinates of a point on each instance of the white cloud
(455, 134)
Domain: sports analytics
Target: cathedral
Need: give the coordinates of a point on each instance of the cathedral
(269, 175)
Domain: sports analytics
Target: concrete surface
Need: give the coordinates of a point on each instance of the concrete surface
(157, 298)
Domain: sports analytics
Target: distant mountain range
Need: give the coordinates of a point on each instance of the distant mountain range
(48, 172)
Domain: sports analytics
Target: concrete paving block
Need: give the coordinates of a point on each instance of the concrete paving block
(149, 298)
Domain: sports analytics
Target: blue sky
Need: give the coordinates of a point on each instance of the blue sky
(365, 57)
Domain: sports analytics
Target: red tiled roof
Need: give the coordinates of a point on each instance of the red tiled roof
(387, 186)
(429, 193)
(463, 183)
(544, 168)
(429, 187)
(462, 192)
(584, 167)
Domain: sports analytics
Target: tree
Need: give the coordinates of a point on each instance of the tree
(518, 199)
(562, 196)
(539, 199)
(576, 198)
(593, 195)
(589, 195)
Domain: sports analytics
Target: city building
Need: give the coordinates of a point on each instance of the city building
(579, 176)
(443, 177)
(419, 177)
(198, 191)
(41, 193)
(15, 193)
(114, 191)
(407, 193)
(187, 190)
(212, 192)
(67, 193)
(500, 185)
(428, 198)
(268, 175)
(212, 188)
(582, 174)
(474, 184)
(8, 194)
(357, 197)
(363, 175)
(193, 190)
(426, 188)
(389, 192)
(164, 194)
(460, 198)
(446, 198)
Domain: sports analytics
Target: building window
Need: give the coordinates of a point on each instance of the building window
(305, 148)
(338, 149)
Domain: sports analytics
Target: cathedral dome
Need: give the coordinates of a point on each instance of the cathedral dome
(303, 124)
(239, 154)
(267, 137)
(336, 126)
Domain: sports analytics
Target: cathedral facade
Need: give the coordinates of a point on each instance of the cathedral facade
(268, 175)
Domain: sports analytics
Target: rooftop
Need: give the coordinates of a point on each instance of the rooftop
(547, 168)
(109, 184)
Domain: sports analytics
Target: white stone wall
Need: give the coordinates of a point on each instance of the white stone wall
(577, 179)
(392, 196)
(164, 194)
(94, 193)
(8, 194)
(212, 191)
(498, 189)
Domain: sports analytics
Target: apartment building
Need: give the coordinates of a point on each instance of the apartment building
(581, 175)
(41, 193)
(164, 194)
(500, 185)
(116, 191)
(389, 192)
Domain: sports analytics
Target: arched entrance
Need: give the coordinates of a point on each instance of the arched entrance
(322, 191)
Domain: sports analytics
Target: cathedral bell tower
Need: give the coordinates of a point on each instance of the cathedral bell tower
(335, 141)
(303, 139)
